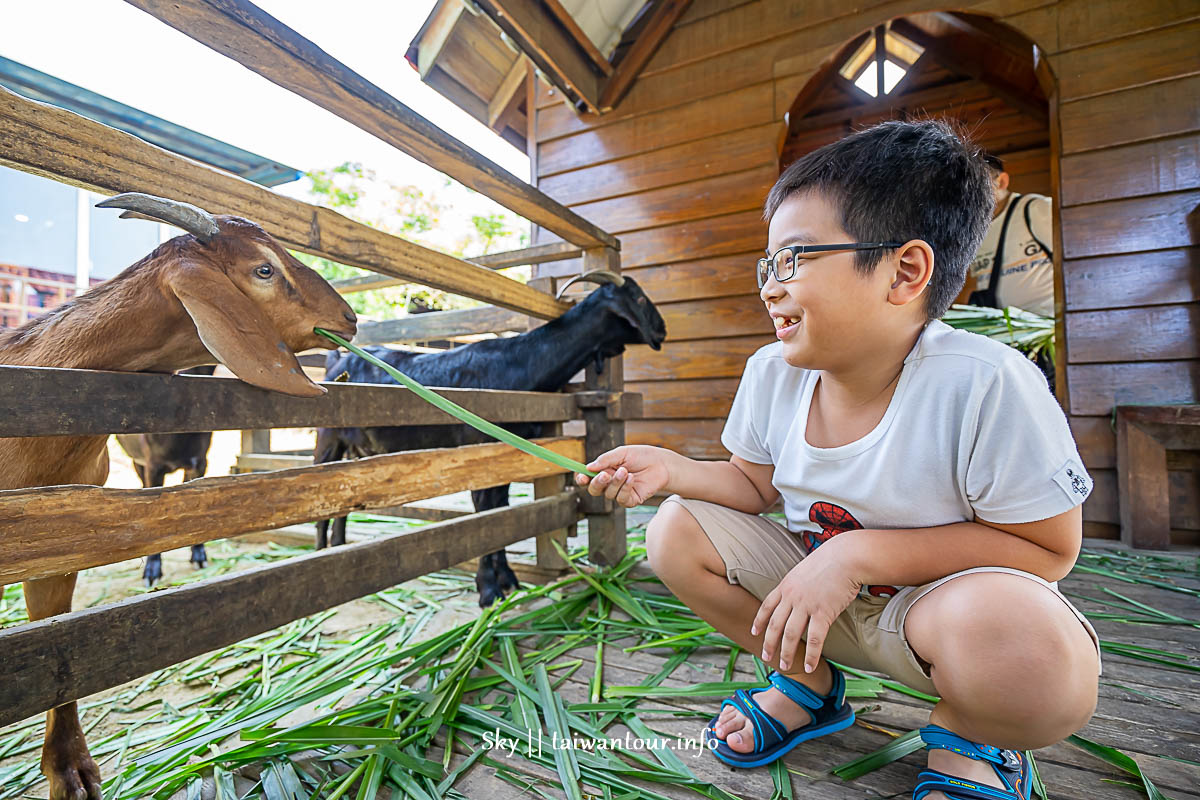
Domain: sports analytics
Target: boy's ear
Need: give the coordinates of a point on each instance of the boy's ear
(912, 273)
(237, 333)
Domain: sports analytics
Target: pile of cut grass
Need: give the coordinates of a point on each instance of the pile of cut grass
(295, 714)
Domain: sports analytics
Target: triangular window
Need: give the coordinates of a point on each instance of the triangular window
(863, 66)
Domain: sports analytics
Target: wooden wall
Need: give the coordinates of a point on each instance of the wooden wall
(679, 171)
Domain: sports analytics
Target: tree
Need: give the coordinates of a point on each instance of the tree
(439, 219)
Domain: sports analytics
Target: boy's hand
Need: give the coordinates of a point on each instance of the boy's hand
(804, 605)
(629, 475)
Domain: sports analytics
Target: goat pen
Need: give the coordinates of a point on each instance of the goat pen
(56, 530)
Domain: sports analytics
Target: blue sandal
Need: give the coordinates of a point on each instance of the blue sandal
(772, 740)
(1011, 766)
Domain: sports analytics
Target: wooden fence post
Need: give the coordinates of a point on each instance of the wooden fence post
(606, 519)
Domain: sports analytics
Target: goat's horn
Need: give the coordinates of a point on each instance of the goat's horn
(195, 221)
(595, 276)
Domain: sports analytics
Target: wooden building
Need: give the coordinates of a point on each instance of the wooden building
(1090, 101)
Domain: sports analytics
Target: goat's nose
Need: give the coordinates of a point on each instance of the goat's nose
(350, 316)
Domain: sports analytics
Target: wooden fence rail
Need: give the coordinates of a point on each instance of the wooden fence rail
(87, 403)
(441, 325)
(53, 143)
(62, 529)
(68, 657)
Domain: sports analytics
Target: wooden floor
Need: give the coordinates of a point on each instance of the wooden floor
(1146, 710)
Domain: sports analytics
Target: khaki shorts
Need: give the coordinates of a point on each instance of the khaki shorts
(758, 552)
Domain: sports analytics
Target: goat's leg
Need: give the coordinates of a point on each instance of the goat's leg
(338, 537)
(494, 576)
(199, 554)
(66, 762)
(153, 474)
(322, 531)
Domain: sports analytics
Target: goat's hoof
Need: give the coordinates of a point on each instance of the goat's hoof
(199, 556)
(489, 594)
(72, 775)
(507, 579)
(152, 573)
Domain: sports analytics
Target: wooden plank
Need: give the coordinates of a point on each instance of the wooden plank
(708, 197)
(43, 401)
(681, 399)
(1156, 167)
(563, 147)
(433, 35)
(1142, 479)
(1105, 336)
(706, 358)
(441, 325)
(720, 276)
(1132, 115)
(1084, 22)
(509, 90)
(63, 529)
(56, 660)
(239, 30)
(662, 20)
(734, 233)
(1095, 388)
(557, 54)
(1131, 61)
(703, 158)
(742, 315)
(1158, 222)
(54, 143)
(539, 254)
(695, 438)
(589, 48)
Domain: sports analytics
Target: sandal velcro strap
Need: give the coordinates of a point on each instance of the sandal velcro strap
(767, 730)
(805, 697)
(1011, 768)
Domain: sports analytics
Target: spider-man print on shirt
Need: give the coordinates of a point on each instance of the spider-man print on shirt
(833, 520)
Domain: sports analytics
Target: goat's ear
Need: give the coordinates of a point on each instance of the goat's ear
(235, 330)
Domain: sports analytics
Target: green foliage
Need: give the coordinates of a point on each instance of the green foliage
(431, 217)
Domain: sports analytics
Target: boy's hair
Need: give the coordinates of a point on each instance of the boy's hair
(899, 181)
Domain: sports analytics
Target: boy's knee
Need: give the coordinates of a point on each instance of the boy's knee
(671, 539)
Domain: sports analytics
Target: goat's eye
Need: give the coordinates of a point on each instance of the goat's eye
(265, 271)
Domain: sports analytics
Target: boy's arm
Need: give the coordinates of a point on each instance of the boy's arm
(1047, 548)
(632, 474)
(810, 597)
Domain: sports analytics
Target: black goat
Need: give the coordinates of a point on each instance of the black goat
(156, 455)
(616, 314)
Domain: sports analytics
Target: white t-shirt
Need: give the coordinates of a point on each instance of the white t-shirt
(971, 430)
(1027, 277)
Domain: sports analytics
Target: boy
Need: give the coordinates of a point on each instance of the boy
(930, 482)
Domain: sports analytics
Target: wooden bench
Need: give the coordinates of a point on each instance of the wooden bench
(1144, 435)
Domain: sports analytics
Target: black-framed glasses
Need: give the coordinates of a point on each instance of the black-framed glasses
(784, 262)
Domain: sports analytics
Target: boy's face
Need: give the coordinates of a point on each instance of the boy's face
(828, 314)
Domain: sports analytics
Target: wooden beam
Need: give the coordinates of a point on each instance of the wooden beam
(663, 19)
(585, 44)
(508, 92)
(995, 32)
(261, 43)
(970, 66)
(68, 657)
(43, 401)
(435, 34)
(931, 97)
(548, 45)
(53, 143)
(538, 254)
(441, 325)
(63, 529)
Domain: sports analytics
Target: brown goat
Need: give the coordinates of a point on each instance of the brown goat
(226, 292)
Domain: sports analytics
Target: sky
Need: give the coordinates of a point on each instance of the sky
(112, 48)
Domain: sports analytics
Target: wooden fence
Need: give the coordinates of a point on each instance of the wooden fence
(55, 530)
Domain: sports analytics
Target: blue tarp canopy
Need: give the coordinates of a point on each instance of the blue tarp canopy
(47, 89)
